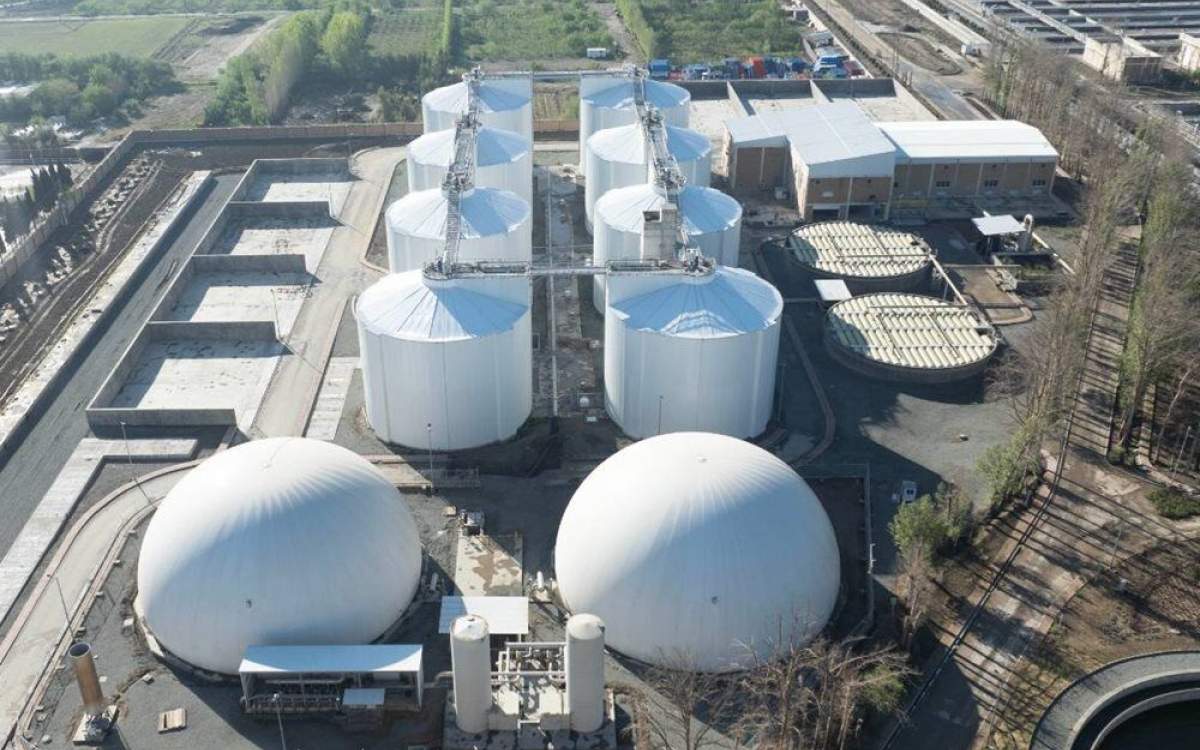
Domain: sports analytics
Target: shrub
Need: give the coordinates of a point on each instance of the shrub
(1171, 503)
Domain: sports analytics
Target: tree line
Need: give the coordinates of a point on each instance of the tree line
(79, 88)
(17, 213)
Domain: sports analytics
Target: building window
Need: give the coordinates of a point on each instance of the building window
(896, 184)
(871, 197)
(1039, 183)
(942, 184)
(991, 183)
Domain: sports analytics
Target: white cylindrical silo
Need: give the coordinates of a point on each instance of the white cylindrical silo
(503, 160)
(495, 225)
(585, 672)
(505, 103)
(619, 157)
(712, 220)
(447, 362)
(608, 102)
(691, 350)
(471, 661)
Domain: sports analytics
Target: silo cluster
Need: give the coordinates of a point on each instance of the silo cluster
(609, 101)
(503, 102)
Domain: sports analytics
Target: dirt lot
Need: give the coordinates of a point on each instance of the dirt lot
(200, 55)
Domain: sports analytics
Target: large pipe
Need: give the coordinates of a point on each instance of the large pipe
(585, 672)
(471, 660)
(81, 658)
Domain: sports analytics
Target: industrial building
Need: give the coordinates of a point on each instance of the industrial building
(731, 549)
(909, 337)
(866, 257)
(275, 542)
(838, 164)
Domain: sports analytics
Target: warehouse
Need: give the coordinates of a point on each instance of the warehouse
(841, 165)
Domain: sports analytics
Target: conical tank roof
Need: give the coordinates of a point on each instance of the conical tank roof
(705, 210)
(485, 212)
(726, 302)
(627, 143)
(621, 95)
(492, 146)
(494, 96)
(411, 306)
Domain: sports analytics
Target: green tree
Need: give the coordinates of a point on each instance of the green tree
(919, 528)
(345, 43)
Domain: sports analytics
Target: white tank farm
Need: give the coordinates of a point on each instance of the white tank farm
(608, 102)
(712, 220)
(447, 362)
(275, 542)
(503, 160)
(495, 225)
(619, 157)
(691, 350)
(504, 103)
(698, 546)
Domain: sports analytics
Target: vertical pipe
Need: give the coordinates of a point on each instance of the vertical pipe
(80, 655)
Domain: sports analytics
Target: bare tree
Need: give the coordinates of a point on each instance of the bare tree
(679, 693)
(916, 587)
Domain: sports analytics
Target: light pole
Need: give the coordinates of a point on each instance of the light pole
(63, 601)
(279, 718)
(429, 435)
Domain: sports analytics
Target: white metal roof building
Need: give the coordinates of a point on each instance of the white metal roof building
(505, 615)
(503, 160)
(701, 545)
(274, 542)
(868, 257)
(833, 140)
(909, 337)
(939, 141)
(691, 351)
(447, 363)
(383, 668)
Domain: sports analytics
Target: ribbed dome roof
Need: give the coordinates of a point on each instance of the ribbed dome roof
(410, 306)
(494, 96)
(627, 143)
(705, 210)
(698, 545)
(276, 541)
(485, 212)
(621, 95)
(492, 146)
(729, 302)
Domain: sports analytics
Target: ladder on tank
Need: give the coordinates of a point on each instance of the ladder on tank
(460, 177)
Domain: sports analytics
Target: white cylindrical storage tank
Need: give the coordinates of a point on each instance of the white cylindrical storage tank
(699, 547)
(275, 542)
(619, 157)
(711, 219)
(503, 160)
(585, 672)
(608, 102)
(471, 662)
(447, 363)
(504, 103)
(495, 225)
(691, 351)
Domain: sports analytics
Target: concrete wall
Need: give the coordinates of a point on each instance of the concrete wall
(284, 263)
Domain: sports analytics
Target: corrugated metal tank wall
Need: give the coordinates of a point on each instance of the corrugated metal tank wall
(503, 160)
(496, 225)
(447, 363)
(691, 352)
(608, 102)
(619, 157)
(712, 220)
(504, 103)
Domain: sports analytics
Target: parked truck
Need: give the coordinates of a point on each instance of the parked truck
(660, 69)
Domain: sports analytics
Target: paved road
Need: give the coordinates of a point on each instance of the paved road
(31, 469)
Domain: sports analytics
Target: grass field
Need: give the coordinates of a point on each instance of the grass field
(707, 30)
(136, 37)
(408, 31)
(530, 29)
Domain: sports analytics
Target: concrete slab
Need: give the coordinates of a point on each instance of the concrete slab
(250, 295)
(331, 398)
(489, 565)
(277, 235)
(272, 187)
(781, 103)
(44, 525)
(201, 374)
(708, 116)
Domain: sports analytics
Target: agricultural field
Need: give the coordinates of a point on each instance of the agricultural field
(704, 30)
(405, 31)
(135, 37)
(517, 30)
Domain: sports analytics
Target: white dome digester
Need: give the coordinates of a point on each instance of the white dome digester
(691, 350)
(504, 102)
(503, 160)
(712, 220)
(495, 226)
(447, 362)
(698, 546)
(620, 157)
(275, 542)
(608, 102)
